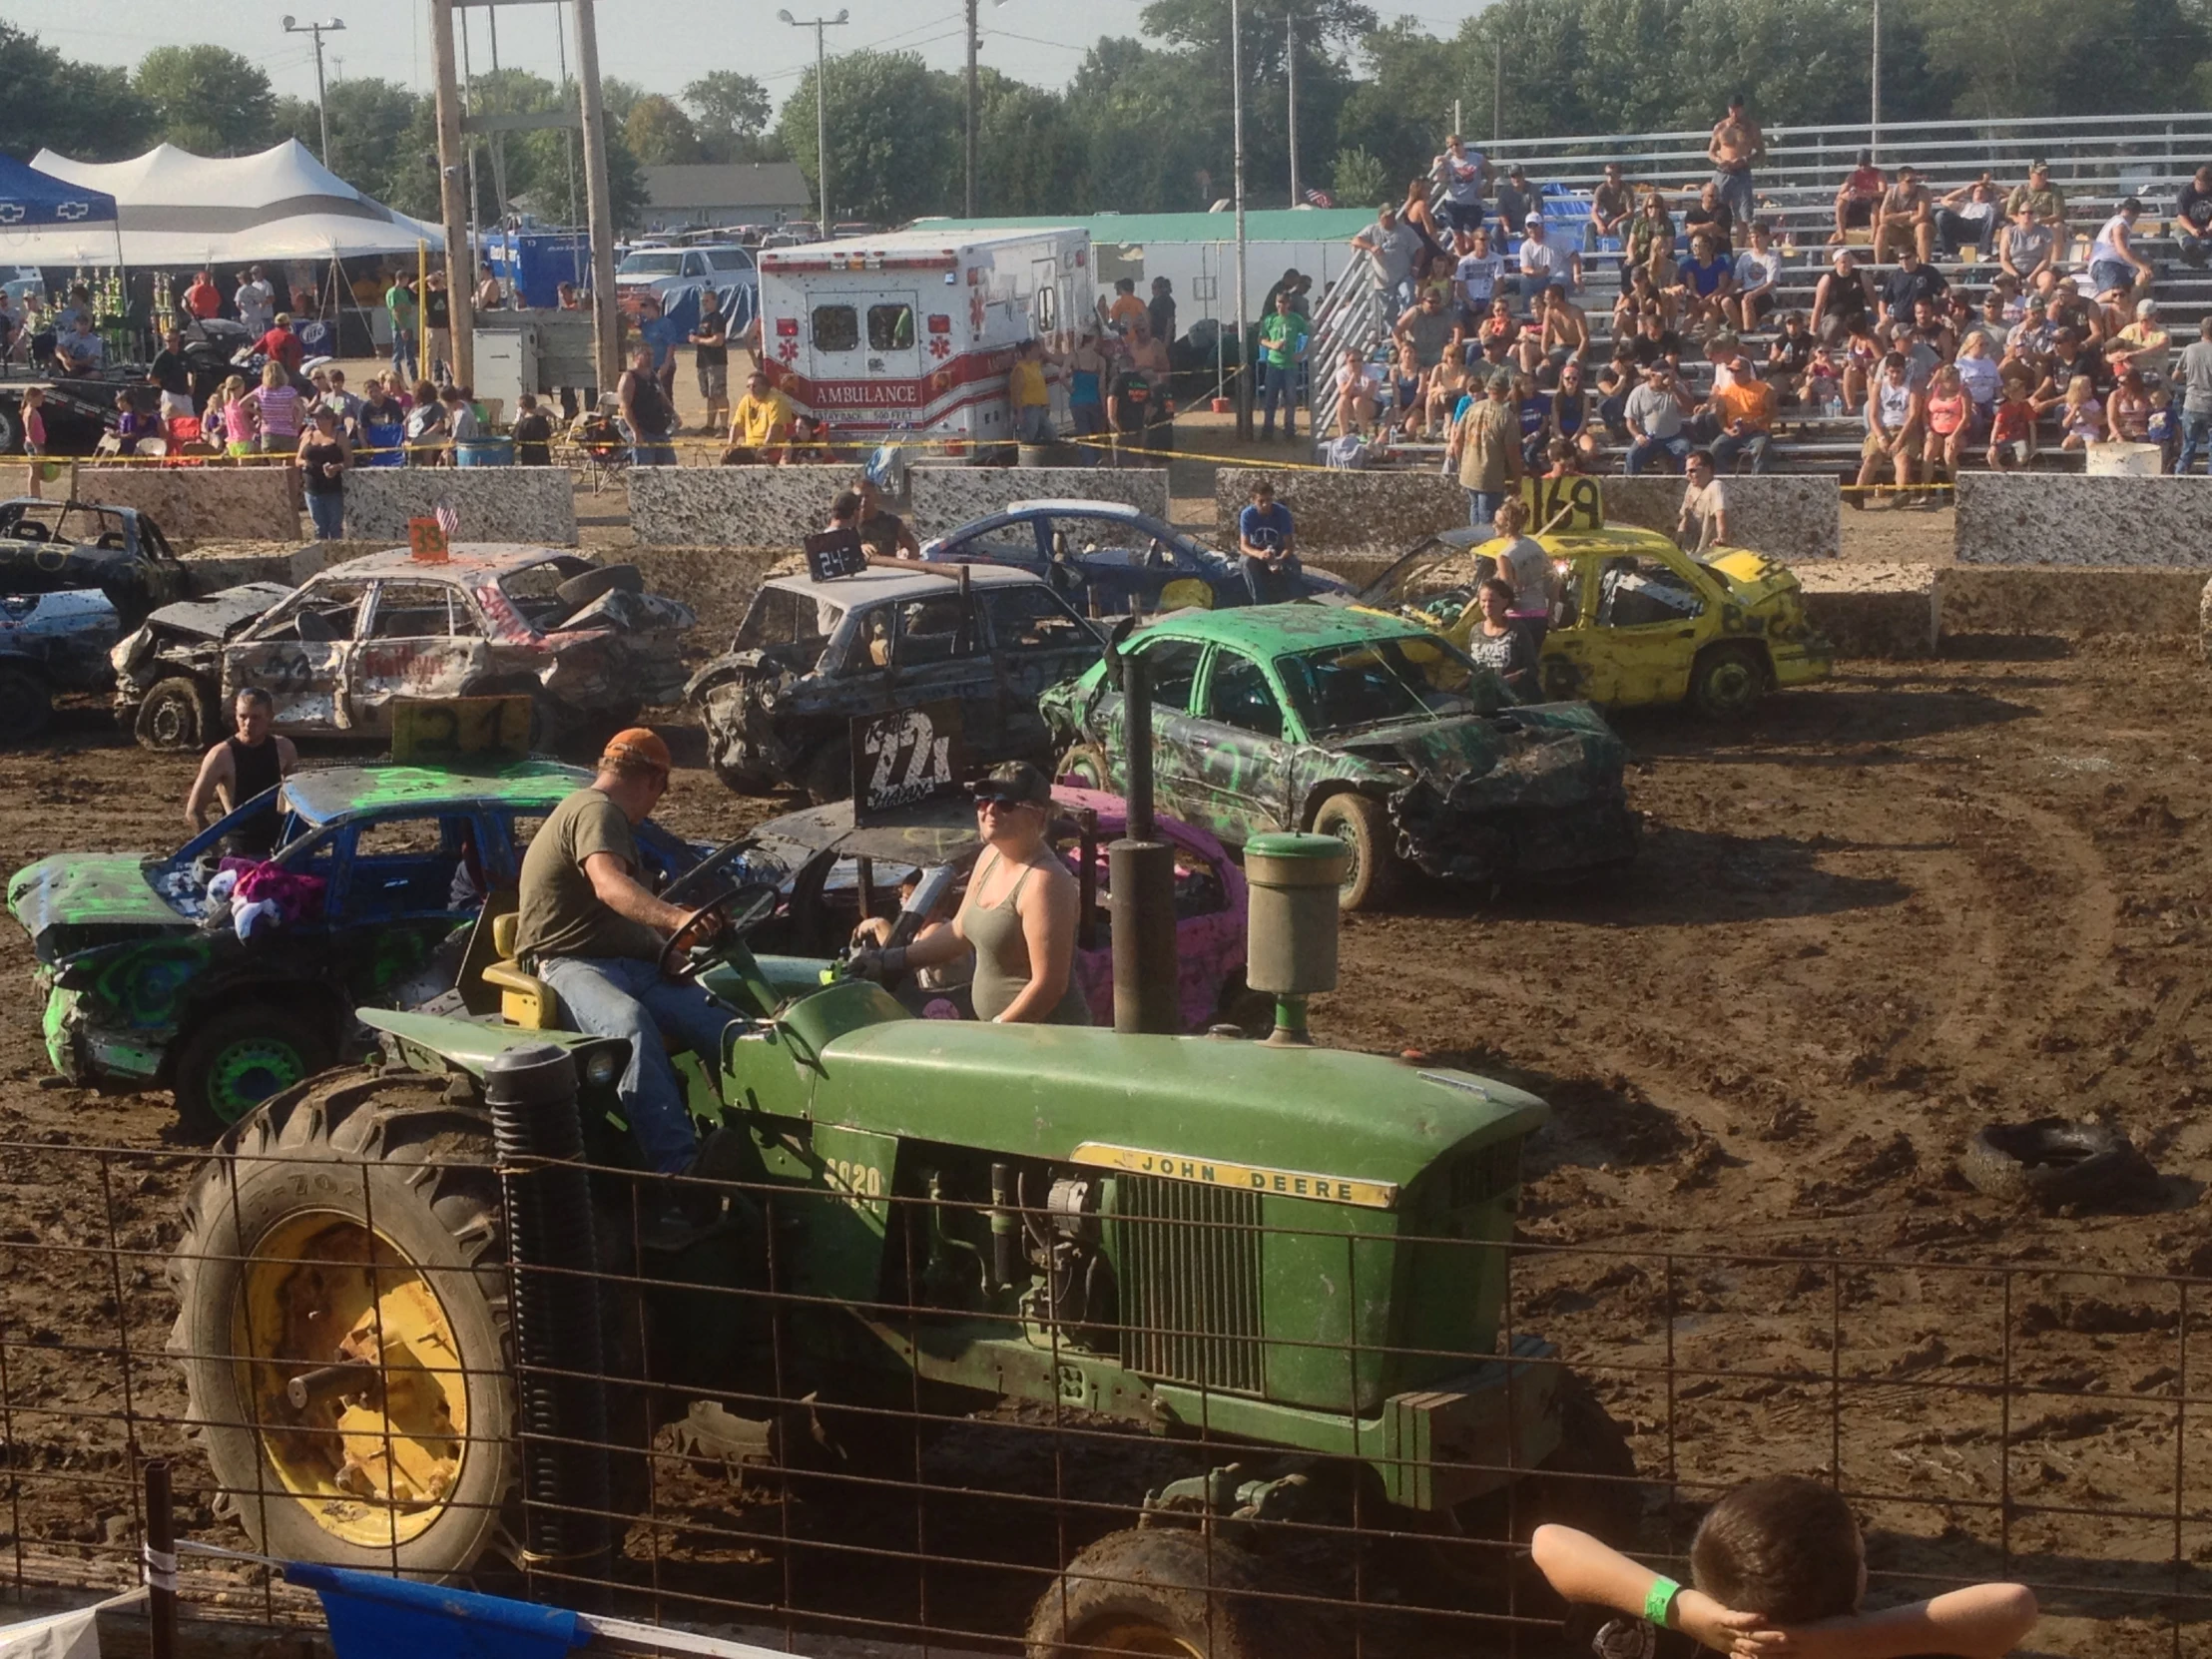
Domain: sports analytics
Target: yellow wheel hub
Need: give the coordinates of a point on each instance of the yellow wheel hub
(1146, 1640)
(337, 1315)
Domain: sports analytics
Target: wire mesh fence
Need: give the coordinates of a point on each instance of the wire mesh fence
(888, 1391)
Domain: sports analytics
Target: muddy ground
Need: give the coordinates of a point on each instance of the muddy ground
(1889, 911)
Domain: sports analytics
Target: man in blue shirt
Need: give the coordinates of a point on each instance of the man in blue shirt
(1272, 570)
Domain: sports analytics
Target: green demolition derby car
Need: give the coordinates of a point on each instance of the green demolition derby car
(1365, 726)
(149, 985)
(1292, 1260)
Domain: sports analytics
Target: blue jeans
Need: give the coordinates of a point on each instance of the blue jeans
(653, 452)
(328, 512)
(2196, 440)
(1273, 583)
(1644, 451)
(1279, 383)
(1089, 422)
(1737, 193)
(403, 352)
(1483, 506)
(627, 997)
(2105, 274)
(1754, 444)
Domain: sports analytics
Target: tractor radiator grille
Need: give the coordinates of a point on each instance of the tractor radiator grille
(1190, 1281)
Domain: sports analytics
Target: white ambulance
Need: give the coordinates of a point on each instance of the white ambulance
(909, 335)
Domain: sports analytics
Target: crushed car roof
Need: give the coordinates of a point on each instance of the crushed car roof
(464, 560)
(910, 580)
(1273, 629)
(333, 791)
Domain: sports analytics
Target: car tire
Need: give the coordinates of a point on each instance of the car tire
(1365, 828)
(26, 704)
(176, 715)
(2054, 1163)
(1727, 680)
(827, 774)
(11, 429)
(592, 585)
(241, 1058)
(1087, 768)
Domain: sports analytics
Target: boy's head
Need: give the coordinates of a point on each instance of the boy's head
(1785, 1547)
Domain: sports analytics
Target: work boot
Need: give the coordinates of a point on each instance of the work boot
(675, 1215)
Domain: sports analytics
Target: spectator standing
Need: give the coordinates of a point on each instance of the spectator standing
(1543, 263)
(277, 411)
(1486, 448)
(406, 317)
(1122, 314)
(2196, 401)
(323, 456)
(1612, 203)
(1857, 196)
(2041, 197)
(2193, 219)
(384, 426)
(490, 296)
(1907, 217)
(1896, 418)
(1394, 245)
(1282, 338)
(1516, 200)
(1758, 268)
(1145, 386)
(1968, 216)
(170, 371)
(1028, 397)
(646, 408)
(1160, 311)
(1088, 375)
(437, 324)
(255, 301)
(1653, 415)
(533, 433)
(1498, 644)
(1465, 176)
(1414, 214)
(280, 345)
(429, 436)
(1265, 537)
(1703, 521)
(710, 344)
(1735, 145)
(2115, 268)
(1476, 277)
(1525, 567)
(204, 299)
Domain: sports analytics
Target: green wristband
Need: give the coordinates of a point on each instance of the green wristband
(1659, 1601)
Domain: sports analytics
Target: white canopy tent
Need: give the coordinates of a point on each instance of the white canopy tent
(179, 210)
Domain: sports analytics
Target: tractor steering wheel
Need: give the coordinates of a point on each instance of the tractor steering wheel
(743, 908)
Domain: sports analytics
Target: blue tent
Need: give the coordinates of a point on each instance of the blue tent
(31, 197)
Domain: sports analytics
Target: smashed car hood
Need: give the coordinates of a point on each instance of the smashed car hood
(1765, 586)
(89, 890)
(1544, 754)
(632, 613)
(222, 613)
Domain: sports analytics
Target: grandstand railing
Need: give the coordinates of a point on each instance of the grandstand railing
(1351, 314)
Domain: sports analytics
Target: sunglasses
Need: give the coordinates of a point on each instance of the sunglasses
(1002, 803)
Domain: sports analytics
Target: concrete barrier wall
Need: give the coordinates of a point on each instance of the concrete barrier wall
(946, 497)
(2036, 518)
(1351, 516)
(495, 503)
(731, 506)
(1998, 600)
(191, 504)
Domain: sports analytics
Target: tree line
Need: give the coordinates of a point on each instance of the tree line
(1145, 125)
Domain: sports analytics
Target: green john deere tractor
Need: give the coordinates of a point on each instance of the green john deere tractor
(1282, 1255)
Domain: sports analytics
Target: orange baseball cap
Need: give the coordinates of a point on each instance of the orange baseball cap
(636, 746)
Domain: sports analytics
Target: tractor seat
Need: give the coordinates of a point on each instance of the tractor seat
(524, 999)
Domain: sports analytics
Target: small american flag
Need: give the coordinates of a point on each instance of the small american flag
(1320, 199)
(448, 520)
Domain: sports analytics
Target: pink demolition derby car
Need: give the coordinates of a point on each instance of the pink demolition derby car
(832, 862)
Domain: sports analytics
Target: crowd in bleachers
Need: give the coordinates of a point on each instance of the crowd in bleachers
(1989, 322)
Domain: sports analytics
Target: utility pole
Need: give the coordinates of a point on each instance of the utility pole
(321, 98)
(1289, 64)
(1874, 114)
(451, 203)
(1243, 320)
(1497, 93)
(599, 206)
(821, 105)
(973, 45)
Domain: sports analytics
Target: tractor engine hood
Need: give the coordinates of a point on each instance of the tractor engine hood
(75, 901)
(1546, 755)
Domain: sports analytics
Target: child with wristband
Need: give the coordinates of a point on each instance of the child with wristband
(1777, 1572)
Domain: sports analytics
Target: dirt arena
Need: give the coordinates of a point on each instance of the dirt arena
(1921, 898)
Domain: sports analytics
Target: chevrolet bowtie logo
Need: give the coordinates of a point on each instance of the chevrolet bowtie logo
(72, 210)
(11, 212)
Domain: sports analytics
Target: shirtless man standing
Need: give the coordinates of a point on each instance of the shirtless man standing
(1736, 142)
(240, 767)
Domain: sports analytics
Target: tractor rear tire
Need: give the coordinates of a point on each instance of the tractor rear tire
(355, 1201)
(1157, 1590)
(26, 704)
(1727, 680)
(239, 1058)
(1365, 828)
(176, 715)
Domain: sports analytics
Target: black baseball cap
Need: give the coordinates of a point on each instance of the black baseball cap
(1015, 783)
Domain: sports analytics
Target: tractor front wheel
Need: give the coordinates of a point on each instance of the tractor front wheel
(1165, 1593)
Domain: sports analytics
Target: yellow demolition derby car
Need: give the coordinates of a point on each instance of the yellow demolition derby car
(1638, 621)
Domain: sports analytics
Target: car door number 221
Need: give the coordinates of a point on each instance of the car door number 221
(915, 737)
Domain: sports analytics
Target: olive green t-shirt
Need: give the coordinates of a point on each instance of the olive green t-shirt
(560, 914)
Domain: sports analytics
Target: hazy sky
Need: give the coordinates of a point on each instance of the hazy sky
(660, 44)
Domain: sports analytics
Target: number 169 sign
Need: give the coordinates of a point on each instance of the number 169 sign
(1563, 504)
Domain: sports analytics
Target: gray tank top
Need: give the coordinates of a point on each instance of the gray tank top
(1003, 956)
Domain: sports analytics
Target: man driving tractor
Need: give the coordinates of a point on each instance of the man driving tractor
(592, 931)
